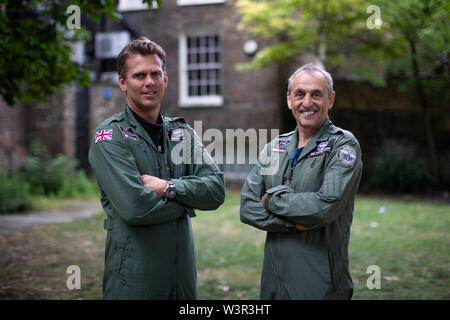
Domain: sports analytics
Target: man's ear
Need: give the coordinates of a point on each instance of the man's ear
(122, 84)
(166, 80)
(332, 97)
(288, 98)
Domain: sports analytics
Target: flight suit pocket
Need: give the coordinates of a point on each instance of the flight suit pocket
(331, 267)
(145, 160)
(120, 254)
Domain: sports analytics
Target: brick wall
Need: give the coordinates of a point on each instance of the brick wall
(54, 123)
(13, 136)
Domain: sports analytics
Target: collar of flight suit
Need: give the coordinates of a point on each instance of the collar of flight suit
(139, 129)
(323, 134)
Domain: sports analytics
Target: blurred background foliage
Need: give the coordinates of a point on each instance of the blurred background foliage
(403, 42)
(42, 175)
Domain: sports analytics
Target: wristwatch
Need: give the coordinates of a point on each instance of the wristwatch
(170, 191)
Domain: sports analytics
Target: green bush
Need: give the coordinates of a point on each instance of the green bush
(55, 176)
(78, 185)
(14, 193)
(45, 175)
(42, 175)
(397, 173)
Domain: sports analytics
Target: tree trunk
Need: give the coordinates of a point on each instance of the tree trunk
(424, 105)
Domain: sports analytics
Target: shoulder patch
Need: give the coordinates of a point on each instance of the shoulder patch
(347, 156)
(104, 134)
(128, 133)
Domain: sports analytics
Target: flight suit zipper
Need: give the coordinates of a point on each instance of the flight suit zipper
(164, 172)
(166, 175)
(289, 180)
(311, 166)
(280, 280)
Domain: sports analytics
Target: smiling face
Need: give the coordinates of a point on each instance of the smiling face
(145, 83)
(309, 100)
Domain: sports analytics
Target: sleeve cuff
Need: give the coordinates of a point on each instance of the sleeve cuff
(179, 186)
(266, 201)
(281, 187)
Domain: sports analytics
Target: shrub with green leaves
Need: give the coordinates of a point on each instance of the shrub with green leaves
(78, 185)
(397, 173)
(14, 193)
(57, 176)
(45, 174)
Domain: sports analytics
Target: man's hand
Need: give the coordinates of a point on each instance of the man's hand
(155, 184)
(297, 226)
(263, 198)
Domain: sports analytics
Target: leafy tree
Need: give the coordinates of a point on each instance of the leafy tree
(408, 40)
(422, 29)
(35, 58)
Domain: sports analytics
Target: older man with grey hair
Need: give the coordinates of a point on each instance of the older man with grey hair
(306, 204)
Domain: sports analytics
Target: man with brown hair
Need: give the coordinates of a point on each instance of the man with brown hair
(148, 195)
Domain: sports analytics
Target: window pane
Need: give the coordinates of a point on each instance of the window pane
(203, 65)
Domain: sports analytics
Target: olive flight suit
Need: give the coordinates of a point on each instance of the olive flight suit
(317, 192)
(149, 250)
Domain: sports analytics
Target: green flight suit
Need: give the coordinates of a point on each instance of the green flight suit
(319, 193)
(149, 250)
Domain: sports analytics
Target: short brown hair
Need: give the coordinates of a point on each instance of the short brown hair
(142, 46)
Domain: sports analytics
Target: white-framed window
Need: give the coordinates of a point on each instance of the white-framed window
(200, 70)
(130, 5)
(198, 2)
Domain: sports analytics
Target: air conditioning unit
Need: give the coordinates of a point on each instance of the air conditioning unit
(110, 76)
(109, 44)
(78, 55)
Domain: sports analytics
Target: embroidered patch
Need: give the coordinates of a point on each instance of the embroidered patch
(282, 143)
(105, 134)
(277, 149)
(177, 135)
(280, 146)
(325, 146)
(128, 133)
(347, 156)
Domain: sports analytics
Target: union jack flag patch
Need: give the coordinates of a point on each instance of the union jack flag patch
(103, 135)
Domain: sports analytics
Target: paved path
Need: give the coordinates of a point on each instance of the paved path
(11, 223)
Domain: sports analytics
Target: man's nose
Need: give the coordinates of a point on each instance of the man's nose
(148, 81)
(307, 102)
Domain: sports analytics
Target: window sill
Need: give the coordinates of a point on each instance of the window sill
(201, 102)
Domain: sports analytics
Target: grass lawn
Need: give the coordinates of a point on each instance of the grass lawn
(409, 243)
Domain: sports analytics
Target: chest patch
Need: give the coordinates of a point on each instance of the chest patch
(128, 133)
(177, 134)
(280, 146)
(322, 147)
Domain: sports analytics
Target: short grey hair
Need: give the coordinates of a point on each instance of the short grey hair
(312, 68)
